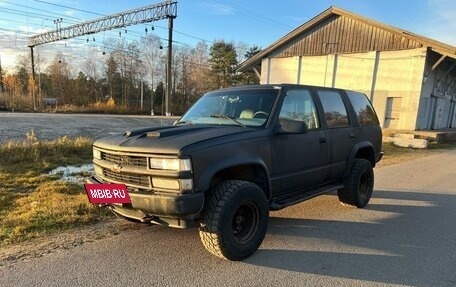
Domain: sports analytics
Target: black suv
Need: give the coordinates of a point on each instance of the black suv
(239, 153)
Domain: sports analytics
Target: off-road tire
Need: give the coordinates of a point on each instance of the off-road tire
(234, 220)
(359, 185)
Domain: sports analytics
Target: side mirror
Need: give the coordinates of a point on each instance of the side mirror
(287, 126)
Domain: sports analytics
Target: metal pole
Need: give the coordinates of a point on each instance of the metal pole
(142, 94)
(168, 71)
(1, 76)
(152, 100)
(33, 78)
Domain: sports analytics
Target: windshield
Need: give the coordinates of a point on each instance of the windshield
(238, 107)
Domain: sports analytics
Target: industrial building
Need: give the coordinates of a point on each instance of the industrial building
(410, 79)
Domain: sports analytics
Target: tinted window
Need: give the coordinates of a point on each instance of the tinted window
(298, 105)
(334, 108)
(363, 108)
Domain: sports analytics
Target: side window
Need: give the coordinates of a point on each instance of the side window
(363, 108)
(334, 108)
(298, 105)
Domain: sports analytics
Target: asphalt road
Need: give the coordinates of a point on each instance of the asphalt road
(15, 126)
(405, 237)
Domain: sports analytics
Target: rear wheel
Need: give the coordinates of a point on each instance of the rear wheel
(359, 185)
(234, 220)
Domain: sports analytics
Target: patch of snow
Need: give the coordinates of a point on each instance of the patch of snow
(72, 173)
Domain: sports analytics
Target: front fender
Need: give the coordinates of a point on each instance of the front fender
(217, 166)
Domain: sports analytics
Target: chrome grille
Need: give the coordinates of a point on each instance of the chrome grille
(125, 160)
(128, 178)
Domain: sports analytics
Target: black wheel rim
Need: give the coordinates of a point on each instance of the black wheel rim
(365, 183)
(245, 222)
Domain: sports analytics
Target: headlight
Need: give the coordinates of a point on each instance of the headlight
(96, 154)
(170, 164)
(174, 184)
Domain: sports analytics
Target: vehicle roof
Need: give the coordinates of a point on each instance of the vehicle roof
(275, 86)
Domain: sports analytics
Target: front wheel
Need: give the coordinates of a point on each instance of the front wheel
(234, 220)
(359, 185)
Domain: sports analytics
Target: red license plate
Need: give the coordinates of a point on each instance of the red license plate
(107, 193)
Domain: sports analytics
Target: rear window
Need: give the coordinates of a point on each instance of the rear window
(363, 108)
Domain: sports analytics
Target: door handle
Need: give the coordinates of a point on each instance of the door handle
(352, 135)
(322, 140)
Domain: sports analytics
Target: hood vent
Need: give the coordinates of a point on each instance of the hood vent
(138, 132)
(154, 135)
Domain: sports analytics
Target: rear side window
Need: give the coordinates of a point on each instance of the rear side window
(363, 108)
(334, 108)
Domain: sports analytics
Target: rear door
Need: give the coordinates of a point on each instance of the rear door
(340, 134)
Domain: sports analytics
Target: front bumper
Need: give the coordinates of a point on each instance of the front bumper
(176, 210)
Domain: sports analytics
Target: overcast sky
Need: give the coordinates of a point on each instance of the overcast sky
(253, 22)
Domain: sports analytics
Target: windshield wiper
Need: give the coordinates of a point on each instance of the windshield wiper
(222, 116)
(184, 123)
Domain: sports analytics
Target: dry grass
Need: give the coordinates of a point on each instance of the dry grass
(394, 154)
(35, 203)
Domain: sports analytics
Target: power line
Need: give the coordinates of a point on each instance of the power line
(75, 20)
(101, 46)
(35, 9)
(99, 14)
(27, 14)
(251, 14)
(146, 14)
(68, 7)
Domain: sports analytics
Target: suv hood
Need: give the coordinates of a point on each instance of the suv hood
(168, 139)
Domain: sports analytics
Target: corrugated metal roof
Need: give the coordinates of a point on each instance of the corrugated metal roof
(310, 38)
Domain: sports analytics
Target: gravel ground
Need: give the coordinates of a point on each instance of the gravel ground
(15, 126)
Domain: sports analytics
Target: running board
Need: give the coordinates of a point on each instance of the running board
(285, 201)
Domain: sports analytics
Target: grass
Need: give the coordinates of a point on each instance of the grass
(393, 154)
(34, 203)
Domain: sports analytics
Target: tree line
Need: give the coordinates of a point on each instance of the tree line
(127, 76)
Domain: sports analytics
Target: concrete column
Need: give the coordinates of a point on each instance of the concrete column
(374, 75)
(333, 84)
(299, 70)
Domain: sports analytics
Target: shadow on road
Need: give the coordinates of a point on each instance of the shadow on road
(410, 241)
(401, 237)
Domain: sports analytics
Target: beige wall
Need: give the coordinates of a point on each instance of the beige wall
(355, 72)
(317, 70)
(282, 71)
(399, 74)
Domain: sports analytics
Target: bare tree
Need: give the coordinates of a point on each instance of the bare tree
(198, 71)
(241, 50)
(59, 71)
(127, 56)
(151, 54)
(92, 68)
(180, 73)
(13, 90)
